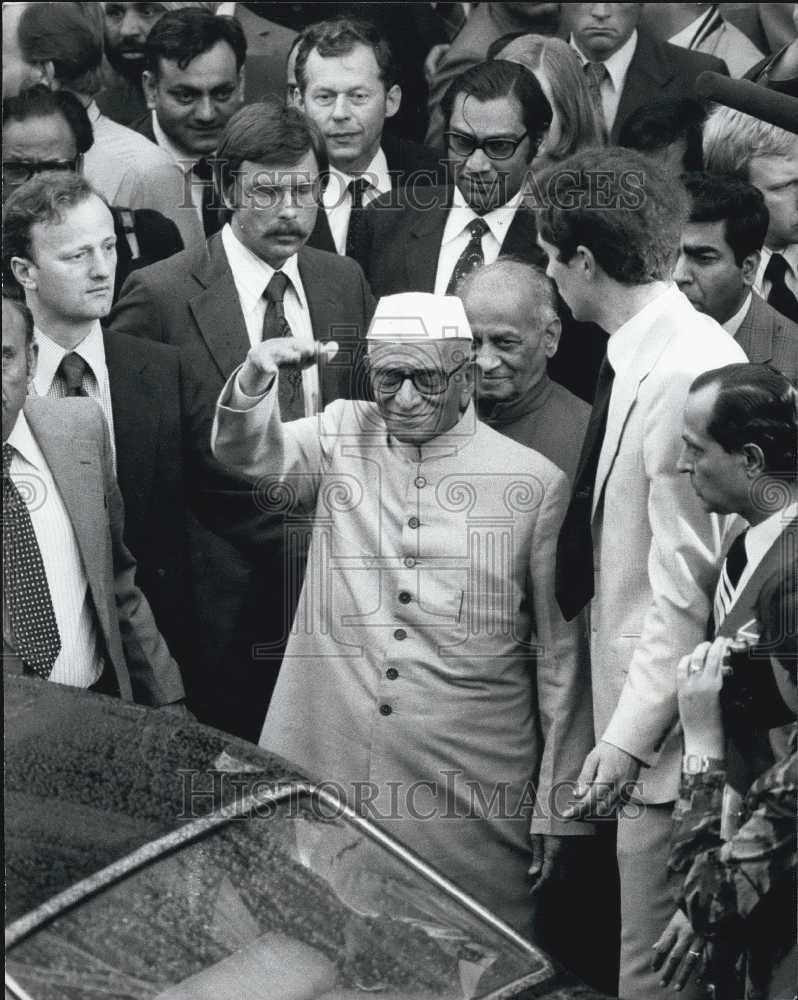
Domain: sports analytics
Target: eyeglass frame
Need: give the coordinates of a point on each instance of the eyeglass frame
(411, 374)
(481, 144)
(34, 167)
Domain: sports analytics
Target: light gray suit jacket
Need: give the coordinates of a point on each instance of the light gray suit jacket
(74, 440)
(769, 338)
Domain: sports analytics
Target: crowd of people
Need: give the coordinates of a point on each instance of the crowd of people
(412, 389)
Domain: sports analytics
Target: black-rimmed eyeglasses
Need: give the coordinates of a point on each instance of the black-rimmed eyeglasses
(387, 381)
(16, 172)
(495, 148)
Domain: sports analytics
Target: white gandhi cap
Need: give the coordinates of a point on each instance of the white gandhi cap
(413, 317)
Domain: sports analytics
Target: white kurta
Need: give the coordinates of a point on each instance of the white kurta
(429, 673)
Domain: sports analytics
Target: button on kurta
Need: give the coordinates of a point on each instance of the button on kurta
(391, 673)
(410, 562)
(385, 709)
(400, 634)
(420, 482)
(413, 522)
(405, 597)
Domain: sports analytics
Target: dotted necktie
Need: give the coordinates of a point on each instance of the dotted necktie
(73, 370)
(289, 383)
(573, 583)
(596, 73)
(212, 218)
(354, 234)
(26, 591)
(780, 296)
(471, 258)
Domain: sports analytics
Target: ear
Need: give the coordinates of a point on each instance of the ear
(33, 360)
(299, 99)
(25, 272)
(48, 75)
(393, 99)
(551, 337)
(585, 260)
(80, 162)
(750, 266)
(241, 85)
(150, 86)
(754, 460)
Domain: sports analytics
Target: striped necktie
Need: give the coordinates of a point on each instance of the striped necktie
(730, 574)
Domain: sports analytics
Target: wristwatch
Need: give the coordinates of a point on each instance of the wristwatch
(696, 763)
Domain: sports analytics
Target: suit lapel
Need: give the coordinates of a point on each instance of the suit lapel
(217, 310)
(76, 467)
(322, 306)
(649, 71)
(744, 607)
(321, 238)
(423, 243)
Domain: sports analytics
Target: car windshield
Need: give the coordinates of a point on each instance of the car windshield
(294, 903)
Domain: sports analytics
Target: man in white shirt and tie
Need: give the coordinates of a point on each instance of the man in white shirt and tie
(347, 85)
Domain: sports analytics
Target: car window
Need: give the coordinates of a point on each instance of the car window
(297, 901)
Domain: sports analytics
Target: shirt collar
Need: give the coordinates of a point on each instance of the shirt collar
(501, 413)
(183, 159)
(449, 443)
(498, 219)
(252, 275)
(22, 440)
(93, 111)
(625, 342)
(91, 349)
(376, 173)
(733, 324)
(618, 63)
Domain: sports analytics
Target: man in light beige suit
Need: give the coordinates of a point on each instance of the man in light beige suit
(636, 544)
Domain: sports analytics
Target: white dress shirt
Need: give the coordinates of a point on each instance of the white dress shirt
(337, 200)
(733, 324)
(185, 162)
(456, 235)
(617, 68)
(96, 383)
(79, 663)
(251, 276)
(790, 255)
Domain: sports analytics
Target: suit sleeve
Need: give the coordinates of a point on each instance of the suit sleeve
(563, 681)
(683, 561)
(137, 311)
(154, 676)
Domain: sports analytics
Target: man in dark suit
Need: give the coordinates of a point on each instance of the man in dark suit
(71, 610)
(718, 263)
(254, 279)
(347, 83)
(625, 66)
(66, 269)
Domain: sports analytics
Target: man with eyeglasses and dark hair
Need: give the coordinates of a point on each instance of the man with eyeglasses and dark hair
(434, 680)
(51, 130)
(427, 240)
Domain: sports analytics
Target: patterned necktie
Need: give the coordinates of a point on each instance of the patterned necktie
(289, 383)
(212, 220)
(730, 574)
(574, 584)
(471, 258)
(780, 296)
(25, 587)
(354, 234)
(73, 370)
(595, 74)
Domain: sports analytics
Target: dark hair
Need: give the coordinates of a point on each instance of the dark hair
(13, 297)
(657, 124)
(755, 405)
(741, 206)
(619, 205)
(39, 102)
(182, 35)
(488, 81)
(337, 37)
(42, 199)
(268, 133)
(70, 35)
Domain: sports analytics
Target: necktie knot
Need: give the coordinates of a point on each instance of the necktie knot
(357, 188)
(776, 269)
(477, 228)
(72, 369)
(275, 290)
(8, 454)
(596, 72)
(203, 170)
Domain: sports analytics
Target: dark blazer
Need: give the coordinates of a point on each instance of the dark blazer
(402, 240)
(243, 588)
(769, 338)
(143, 236)
(146, 388)
(659, 71)
(73, 437)
(408, 163)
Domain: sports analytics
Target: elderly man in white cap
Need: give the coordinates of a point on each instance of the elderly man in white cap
(429, 674)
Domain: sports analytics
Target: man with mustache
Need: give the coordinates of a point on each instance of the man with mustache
(255, 279)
